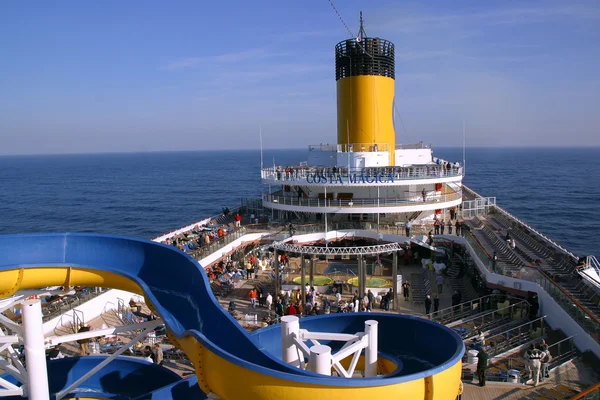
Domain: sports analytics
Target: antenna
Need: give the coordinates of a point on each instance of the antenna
(261, 148)
(361, 31)
(464, 150)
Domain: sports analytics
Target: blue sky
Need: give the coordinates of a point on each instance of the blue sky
(144, 76)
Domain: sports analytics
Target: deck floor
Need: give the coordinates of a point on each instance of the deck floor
(573, 374)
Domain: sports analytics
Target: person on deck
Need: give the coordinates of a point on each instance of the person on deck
(482, 362)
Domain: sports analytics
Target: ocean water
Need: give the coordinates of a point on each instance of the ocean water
(556, 191)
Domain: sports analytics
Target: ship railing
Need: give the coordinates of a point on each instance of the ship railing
(414, 146)
(578, 312)
(515, 336)
(360, 203)
(488, 320)
(466, 309)
(591, 271)
(533, 230)
(302, 174)
(349, 148)
(572, 306)
(218, 244)
(562, 351)
(591, 393)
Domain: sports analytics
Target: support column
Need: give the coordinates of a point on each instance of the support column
(364, 271)
(360, 266)
(320, 359)
(35, 352)
(371, 330)
(311, 280)
(303, 281)
(290, 326)
(395, 282)
(276, 273)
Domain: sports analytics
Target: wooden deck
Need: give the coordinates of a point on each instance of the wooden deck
(574, 375)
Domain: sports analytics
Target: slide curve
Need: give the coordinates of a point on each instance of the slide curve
(424, 358)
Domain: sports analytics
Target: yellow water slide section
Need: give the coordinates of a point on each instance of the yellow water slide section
(224, 378)
(364, 109)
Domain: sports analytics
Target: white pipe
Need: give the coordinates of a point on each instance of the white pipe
(290, 327)
(35, 352)
(320, 359)
(371, 328)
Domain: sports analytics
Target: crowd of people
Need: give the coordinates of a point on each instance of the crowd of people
(198, 237)
(439, 169)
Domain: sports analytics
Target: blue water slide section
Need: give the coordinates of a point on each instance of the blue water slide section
(125, 377)
(183, 390)
(179, 290)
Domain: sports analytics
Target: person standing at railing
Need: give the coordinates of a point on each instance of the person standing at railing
(536, 358)
(442, 227)
(436, 226)
(494, 261)
(546, 360)
(436, 303)
(482, 363)
(407, 227)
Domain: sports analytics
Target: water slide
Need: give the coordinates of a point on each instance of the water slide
(418, 359)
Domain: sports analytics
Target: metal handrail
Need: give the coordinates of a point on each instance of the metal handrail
(530, 324)
(510, 308)
(435, 316)
(587, 392)
(546, 238)
(301, 173)
(573, 299)
(106, 304)
(358, 203)
(473, 240)
(78, 321)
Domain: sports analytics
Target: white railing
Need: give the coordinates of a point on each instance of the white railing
(348, 148)
(592, 262)
(345, 176)
(360, 203)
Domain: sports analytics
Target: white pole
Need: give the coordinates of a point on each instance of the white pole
(35, 352)
(326, 241)
(464, 150)
(290, 327)
(261, 150)
(320, 359)
(371, 349)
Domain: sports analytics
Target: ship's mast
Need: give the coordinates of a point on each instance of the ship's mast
(361, 31)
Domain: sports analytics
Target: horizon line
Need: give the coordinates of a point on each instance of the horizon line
(288, 148)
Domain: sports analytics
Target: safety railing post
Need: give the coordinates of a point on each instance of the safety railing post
(371, 330)
(290, 327)
(319, 360)
(35, 352)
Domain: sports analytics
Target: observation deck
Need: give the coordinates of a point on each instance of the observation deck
(303, 175)
(347, 203)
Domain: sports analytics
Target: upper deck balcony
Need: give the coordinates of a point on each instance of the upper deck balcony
(303, 175)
